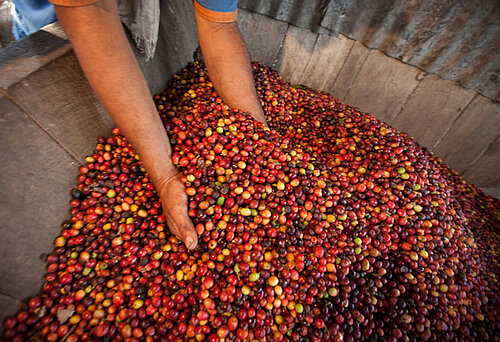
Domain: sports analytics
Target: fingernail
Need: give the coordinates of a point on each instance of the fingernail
(190, 242)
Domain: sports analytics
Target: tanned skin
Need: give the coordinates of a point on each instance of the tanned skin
(108, 61)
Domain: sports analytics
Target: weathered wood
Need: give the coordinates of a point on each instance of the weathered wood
(353, 63)
(382, 86)
(263, 36)
(484, 172)
(326, 61)
(296, 52)
(60, 98)
(431, 110)
(37, 174)
(470, 134)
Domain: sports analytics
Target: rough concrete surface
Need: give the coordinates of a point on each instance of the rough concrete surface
(470, 135)
(64, 105)
(350, 69)
(28, 55)
(495, 192)
(431, 109)
(8, 307)
(263, 36)
(326, 61)
(382, 86)
(296, 52)
(37, 175)
(484, 171)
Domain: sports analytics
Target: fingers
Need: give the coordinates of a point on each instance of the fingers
(186, 230)
(181, 226)
(174, 201)
(190, 237)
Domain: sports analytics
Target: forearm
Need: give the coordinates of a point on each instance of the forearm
(105, 55)
(228, 65)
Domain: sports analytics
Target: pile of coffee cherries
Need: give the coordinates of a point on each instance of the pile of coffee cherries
(327, 226)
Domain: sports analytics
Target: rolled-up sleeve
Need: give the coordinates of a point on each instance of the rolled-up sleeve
(73, 3)
(219, 11)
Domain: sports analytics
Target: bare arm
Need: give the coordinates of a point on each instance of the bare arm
(228, 65)
(105, 55)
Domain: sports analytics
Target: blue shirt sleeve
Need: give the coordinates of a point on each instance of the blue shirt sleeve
(219, 5)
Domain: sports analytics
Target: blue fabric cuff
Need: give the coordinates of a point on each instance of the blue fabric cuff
(219, 5)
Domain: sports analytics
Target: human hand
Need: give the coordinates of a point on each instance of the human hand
(174, 201)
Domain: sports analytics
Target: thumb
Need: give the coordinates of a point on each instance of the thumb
(181, 226)
(189, 236)
(186, 230)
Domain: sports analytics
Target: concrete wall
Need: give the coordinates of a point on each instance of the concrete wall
(460, 126)
(49, 122)
(457, 40)
(50, 119)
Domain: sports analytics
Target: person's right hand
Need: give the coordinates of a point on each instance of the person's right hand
(174, 201)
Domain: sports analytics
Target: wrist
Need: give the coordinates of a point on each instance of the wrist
(162, 180)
